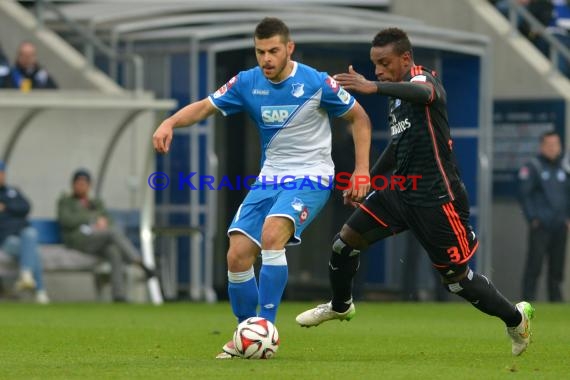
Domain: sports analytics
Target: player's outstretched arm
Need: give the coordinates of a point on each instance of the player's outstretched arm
(412, 92)
(186, 116)
(355, 82)
(361, 134)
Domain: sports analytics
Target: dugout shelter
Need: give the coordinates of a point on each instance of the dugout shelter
(190, 48)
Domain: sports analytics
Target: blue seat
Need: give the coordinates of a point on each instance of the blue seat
(48, 231)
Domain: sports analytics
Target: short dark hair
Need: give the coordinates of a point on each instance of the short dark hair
(81, 173)
(395, 36)
(548, 134)
(271, 26)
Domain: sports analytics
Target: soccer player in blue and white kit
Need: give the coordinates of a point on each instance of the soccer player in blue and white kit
(291, 104)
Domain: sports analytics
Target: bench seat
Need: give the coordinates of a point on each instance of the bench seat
(55, 258)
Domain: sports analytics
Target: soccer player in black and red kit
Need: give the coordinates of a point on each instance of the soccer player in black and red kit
(436, 210)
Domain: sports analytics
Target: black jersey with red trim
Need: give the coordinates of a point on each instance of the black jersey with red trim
(421, 140)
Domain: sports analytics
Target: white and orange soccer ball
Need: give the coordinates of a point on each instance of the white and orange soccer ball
(256, 338)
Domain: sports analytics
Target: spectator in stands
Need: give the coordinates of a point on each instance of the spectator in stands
(545, 199)
(27, 74)
(554, 15)
(86, 227)
(560, 29)
(503, 5)
(18, 239)
(543, 11)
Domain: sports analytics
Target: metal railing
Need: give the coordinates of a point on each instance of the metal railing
(94, 43)
(556, 48)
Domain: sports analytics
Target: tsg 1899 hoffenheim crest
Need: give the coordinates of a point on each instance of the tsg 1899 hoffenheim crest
(297, 204)
(297, 89)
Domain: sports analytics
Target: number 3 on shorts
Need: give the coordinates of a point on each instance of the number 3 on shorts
(454, 255)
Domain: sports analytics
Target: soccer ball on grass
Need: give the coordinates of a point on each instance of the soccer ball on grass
(256, 338)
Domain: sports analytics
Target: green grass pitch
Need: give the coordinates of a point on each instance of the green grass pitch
(179, 341)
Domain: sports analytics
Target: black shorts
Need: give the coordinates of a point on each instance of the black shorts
(443, 230)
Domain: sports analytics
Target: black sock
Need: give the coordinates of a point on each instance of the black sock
(482, 294)
(342, 269)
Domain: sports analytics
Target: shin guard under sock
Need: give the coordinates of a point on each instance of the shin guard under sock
(343, 265)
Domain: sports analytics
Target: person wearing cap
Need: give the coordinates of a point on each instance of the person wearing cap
(20, 240)
(86, 226)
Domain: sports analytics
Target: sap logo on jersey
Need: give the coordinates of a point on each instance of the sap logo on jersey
(276, 115)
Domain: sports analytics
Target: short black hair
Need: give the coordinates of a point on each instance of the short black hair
(271, 26)
(81, 173)
(395, 36)
(548, 134)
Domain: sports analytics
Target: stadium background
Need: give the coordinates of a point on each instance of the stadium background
(120, 65)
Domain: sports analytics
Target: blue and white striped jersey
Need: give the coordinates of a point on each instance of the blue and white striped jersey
(292, 117)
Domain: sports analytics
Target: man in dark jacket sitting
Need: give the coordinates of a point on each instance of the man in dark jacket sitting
(20, 240)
